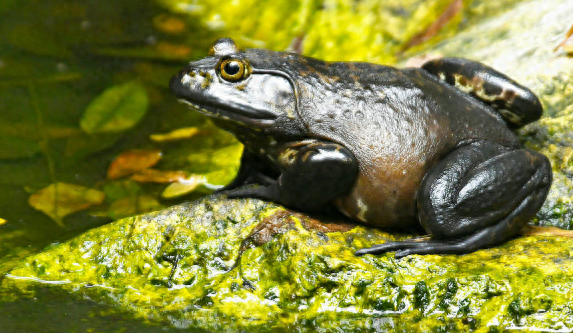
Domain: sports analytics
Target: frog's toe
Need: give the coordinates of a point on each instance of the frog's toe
(392, 246)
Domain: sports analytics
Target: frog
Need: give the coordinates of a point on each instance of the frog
(431, 146)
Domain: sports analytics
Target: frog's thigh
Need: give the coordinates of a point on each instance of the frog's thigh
(478, 196)
(516, 104)
(316, 174)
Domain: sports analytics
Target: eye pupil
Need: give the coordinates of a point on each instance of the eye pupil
(232, 68)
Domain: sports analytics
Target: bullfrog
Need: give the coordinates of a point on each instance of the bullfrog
(389, 147)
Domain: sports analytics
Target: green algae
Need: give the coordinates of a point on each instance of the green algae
(300, 277)
(366, 30)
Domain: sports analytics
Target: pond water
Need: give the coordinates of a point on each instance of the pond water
(82, 82)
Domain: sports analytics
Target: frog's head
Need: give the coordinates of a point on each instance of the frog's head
(241, 90)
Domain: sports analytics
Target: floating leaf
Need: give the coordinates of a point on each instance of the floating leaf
(133, 161)
(178, 134)
(117, 109)
(159, 176)
(12, 148)
(183, 187)
(130, 206)
(61, 199)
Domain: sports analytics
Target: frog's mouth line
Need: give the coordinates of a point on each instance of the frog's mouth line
(239, 114)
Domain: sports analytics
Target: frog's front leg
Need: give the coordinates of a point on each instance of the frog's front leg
(515, 103)
(252, 170)
(314, 173)
(478, 196)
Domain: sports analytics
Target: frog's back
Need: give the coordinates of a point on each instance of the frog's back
(397, 123)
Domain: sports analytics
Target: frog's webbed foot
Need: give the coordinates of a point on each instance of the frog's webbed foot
(515, 103)
(478, 196)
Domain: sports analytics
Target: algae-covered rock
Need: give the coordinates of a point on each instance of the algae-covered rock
(246, 265)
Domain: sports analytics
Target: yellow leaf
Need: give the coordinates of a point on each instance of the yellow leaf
(183, 187)
(61, 199)
(2, 221)
(158, 176)
(178, 134)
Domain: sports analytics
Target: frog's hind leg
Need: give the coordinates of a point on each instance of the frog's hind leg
(478, 196)
(517, 105)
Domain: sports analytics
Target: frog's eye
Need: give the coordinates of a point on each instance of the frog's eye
(232, 70)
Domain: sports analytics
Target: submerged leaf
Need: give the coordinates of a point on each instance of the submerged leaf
(61, 199)
(117, 109)
(85, 144)
(130, 206)
(159, 176)
(178, 134)
(133, 161)
(12, 148)
(183, 187)
(115, 190)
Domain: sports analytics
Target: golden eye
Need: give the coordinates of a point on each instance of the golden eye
(232, 70)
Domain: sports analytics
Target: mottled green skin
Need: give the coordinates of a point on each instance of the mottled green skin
(300, 280)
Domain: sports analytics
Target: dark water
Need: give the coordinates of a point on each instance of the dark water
(56, 58)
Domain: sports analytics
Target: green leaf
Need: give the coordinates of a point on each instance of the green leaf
(81, 146)
(116, 190)
(117, 109)
(12, 148)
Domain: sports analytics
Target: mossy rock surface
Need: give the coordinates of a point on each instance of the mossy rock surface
(246, 265)
(251, 266)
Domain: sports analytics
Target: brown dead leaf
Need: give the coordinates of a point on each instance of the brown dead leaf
(159, 176)
(61, 199)
(133, 161)
(531, 230)
(178, 134)
(183, 187)
(453, 9)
